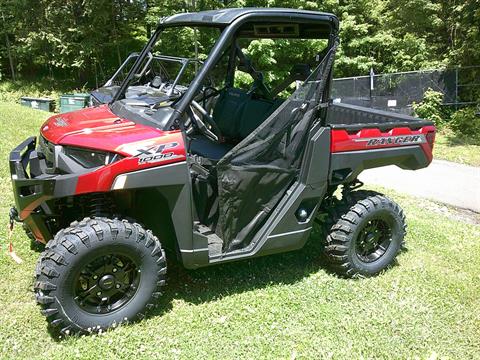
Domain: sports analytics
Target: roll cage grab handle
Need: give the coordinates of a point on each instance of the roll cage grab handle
(215, 54)
(136, 66)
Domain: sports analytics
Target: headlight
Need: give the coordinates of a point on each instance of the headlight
(90, 158)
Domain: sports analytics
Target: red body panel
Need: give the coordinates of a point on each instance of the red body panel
(342, 140)
(102, 179)
(100, 129)
(81, 122)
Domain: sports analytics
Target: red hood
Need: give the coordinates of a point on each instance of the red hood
(59, 126)
(96, 128)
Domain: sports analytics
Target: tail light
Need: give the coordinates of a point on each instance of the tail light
(430, 136)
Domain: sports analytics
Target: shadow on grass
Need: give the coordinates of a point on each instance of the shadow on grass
(218, 281)
(212, 283)
(457, 140)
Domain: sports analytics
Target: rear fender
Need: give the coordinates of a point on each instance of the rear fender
(369, 148)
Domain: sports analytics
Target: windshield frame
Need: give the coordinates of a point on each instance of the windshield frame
(227, 33)
(146, 51)
(135, 67)
(151, 57)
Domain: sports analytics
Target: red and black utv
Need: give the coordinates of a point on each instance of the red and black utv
(216, 171)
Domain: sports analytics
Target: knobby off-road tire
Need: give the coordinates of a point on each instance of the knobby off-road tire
(367, 234)
(99, 273)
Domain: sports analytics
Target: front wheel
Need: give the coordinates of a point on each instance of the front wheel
(367, 234)
(99, 273)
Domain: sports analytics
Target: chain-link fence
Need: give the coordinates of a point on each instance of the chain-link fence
(397, 91)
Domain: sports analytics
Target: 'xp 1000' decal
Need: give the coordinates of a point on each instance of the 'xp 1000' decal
(394, 140)
(157, 153)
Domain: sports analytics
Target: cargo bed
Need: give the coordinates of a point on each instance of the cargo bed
(364, 138)
(354, 118)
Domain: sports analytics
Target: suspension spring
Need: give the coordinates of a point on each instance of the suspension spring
(99, 205)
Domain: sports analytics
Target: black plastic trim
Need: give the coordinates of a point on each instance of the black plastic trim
(223, 17)
(346, 166)
(355, 118)
(31, 191)
(173, 181)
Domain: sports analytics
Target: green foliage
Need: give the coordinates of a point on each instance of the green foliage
(12, 91)
(431, 108)
(86, 40)
(466, 123)
(81, 39)
(464, 20)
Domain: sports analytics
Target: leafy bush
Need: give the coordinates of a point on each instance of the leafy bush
(431, 108)
(466, 123)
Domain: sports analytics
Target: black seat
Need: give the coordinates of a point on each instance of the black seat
(237, 114)
(201, 145)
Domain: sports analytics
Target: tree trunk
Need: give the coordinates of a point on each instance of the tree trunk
(149, 27)
(10, 59)
(9, 53)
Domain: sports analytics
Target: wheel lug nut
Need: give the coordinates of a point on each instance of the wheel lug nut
(114, 270)
(99, 293)
(95, 277)
(117, 286)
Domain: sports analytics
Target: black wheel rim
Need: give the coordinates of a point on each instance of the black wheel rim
(373, 240)
(107, 283)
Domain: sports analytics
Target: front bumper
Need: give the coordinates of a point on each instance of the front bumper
(33, 186)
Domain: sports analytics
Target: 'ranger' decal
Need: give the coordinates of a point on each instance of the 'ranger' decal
(394, 140)
(157, 153)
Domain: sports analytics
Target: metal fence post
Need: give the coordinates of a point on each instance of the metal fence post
(456, 88)
(371, 84)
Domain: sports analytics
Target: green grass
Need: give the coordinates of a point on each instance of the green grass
(452, 148)
(282, 306)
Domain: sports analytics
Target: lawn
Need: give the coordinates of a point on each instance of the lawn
(449, 147)
(282, 306)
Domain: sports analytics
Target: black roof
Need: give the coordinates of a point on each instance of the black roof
(223, 17)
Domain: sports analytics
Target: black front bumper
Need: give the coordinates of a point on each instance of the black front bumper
(33, 185)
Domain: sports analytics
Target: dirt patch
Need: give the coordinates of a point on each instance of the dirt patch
(463, 215)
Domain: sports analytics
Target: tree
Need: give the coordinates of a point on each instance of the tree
(86, 40)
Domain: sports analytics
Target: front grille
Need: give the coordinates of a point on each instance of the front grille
(48, 149)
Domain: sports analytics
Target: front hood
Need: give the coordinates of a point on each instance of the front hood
(82, 121)
(95, 128)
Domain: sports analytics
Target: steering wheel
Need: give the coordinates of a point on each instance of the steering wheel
(208, 127)
(259, 87)
(209, 92)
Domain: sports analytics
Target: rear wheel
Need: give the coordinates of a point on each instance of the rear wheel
(99, 273)
(367, 234)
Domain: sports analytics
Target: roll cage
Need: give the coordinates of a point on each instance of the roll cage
(233, 24)
(151, 57)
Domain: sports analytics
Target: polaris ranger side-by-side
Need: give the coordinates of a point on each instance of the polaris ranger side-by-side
(212, 170)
